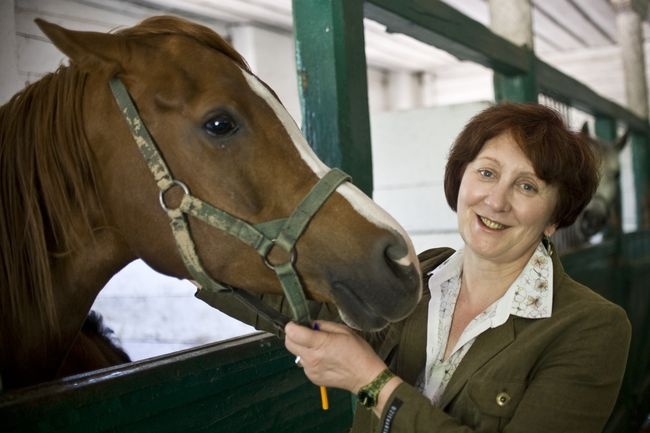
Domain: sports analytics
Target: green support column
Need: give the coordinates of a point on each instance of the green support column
(605, 128)
(641, 167)
(517, 88)
(332, 84)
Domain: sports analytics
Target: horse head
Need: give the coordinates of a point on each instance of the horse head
(598, 211)
(225, 135)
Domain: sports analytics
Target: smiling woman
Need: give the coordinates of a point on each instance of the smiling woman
(503, 337)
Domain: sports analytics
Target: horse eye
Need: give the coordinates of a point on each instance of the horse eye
(220, 125)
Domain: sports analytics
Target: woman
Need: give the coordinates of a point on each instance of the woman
(504, 339)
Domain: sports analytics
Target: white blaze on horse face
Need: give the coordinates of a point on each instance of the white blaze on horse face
(357, 199)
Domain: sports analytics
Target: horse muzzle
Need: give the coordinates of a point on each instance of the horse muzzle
(383, 288)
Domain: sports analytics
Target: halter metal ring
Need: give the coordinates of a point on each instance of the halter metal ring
(162, 192)
(292, 258)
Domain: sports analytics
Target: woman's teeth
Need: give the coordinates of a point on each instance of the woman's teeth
(492, 224)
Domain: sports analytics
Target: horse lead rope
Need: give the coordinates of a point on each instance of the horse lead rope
(283, 233)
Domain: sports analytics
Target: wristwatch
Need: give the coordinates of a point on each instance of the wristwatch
(368, 394)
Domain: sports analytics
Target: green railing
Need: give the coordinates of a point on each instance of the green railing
(245, 385)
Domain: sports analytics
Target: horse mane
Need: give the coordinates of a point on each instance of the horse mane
(170, 25)
(46, 177)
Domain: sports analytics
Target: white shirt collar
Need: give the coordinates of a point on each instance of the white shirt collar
(529, 296)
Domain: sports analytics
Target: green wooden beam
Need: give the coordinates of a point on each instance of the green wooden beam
(517, 88)
(605, 128)
(246, 384)
(331, 65)
(641, 168)
(440, 25)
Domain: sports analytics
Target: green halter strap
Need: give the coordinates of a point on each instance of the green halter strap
(263, 237)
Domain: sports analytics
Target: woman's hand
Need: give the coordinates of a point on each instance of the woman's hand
(333, 356)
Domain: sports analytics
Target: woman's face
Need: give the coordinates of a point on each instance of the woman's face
(503, 207)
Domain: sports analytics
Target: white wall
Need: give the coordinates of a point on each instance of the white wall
(270, 54)
(409, 153)
(9, 66)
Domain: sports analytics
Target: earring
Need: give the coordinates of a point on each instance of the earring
(546, 240)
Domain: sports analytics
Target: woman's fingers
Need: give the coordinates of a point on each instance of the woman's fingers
(339, 328)
(334, 355)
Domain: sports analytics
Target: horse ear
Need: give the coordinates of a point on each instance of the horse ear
(585, 129)
(622, 140)
(87, 50)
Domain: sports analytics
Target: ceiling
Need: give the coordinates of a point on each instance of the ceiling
(559, 26)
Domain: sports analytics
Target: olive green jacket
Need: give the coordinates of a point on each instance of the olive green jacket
(559, 374)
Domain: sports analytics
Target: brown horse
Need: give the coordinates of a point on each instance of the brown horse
(78, 201)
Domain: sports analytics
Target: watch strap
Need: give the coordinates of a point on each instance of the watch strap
(369, 394)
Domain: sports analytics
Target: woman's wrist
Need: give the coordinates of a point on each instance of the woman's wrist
(385, 394)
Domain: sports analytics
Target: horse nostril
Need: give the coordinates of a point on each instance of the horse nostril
(398, 259)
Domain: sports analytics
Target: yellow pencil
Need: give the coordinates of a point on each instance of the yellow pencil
(324, 401)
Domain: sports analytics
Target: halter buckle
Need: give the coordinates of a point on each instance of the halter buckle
(265, 257)
(161, 194)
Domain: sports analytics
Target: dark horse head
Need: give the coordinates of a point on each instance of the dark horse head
(602, 210)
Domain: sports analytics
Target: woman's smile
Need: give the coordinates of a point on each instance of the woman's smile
(491, 224)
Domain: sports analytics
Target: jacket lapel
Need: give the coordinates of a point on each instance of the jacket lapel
(486, 346)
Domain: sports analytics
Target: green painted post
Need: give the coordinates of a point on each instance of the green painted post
(517, 88)
(332, 84)
(605, 128)
(641, 168)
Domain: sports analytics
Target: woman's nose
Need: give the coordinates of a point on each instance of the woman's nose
(498, 198)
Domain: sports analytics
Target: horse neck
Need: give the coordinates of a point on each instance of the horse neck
(54, 264)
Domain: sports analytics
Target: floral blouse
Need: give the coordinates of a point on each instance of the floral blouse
(530, 296)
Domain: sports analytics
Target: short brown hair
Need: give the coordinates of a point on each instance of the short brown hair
(559, 156)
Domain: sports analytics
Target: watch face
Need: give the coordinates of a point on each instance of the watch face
(366, 399)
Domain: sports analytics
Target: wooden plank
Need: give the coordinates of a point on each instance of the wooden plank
(249, 384)
(332, 83)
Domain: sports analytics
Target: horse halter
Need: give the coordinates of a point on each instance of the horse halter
(263, 237)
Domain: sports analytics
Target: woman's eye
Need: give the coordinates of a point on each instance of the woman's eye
(485, 172)
(220, 125)
(528, 187)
